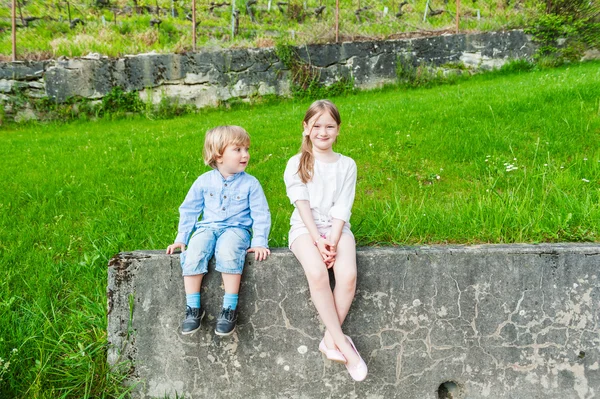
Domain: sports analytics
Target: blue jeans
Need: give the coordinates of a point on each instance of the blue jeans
(228, 245)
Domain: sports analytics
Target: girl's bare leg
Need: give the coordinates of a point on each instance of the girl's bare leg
(344, 271)
(320, 292)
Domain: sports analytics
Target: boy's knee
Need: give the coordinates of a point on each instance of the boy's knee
(232, 244)
(194, 263)
(230, 252)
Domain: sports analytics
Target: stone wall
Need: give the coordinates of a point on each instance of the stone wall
(492, 321)
(209, 77)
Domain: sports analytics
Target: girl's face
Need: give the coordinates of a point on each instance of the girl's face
(323, 131)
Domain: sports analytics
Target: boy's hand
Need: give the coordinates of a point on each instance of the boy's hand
(171, 248)
(260, 253)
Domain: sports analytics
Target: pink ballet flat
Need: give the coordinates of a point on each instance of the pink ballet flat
(331, 354)
(359, 371)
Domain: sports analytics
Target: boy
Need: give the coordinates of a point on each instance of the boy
(233, 205)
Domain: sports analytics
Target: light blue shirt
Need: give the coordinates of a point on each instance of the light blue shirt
(238, 201)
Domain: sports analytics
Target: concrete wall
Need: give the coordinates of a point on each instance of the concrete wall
(501, 321)
(208, 77)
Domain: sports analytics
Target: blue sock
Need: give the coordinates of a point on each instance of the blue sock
(193, 300)
(230, 301)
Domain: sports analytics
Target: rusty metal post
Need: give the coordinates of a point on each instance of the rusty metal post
(457, 15)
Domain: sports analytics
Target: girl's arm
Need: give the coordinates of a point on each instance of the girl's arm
(342, 209)
(336, 231)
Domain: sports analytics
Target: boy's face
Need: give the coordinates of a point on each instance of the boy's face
(234, 160)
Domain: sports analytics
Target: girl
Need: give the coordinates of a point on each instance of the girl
(321, 185)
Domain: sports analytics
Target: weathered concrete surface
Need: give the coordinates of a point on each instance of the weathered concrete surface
(506, 321)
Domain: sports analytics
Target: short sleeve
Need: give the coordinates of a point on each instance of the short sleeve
(296, 190)
(342, 208)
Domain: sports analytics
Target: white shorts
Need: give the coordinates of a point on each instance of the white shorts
(299, 229)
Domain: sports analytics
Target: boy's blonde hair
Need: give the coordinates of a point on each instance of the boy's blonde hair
(219, 138)
(307, 160)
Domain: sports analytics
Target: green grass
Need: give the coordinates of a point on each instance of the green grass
(434, 167)
(131, 34)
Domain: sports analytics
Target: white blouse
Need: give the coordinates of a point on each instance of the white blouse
(330, 192)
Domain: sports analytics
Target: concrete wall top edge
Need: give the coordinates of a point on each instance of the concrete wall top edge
(544, 248)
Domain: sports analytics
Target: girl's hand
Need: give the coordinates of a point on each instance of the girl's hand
(333, 250)
(324, 247)
(178, 245)
(260, 253)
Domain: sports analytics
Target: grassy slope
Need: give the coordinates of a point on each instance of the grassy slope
(74, 195)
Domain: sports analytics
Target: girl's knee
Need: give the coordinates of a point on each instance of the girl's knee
(346, 281)
(318, 277)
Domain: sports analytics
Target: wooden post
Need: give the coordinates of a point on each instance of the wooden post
(457, 14)
(337, 20)
(194, 24)
(14, 30)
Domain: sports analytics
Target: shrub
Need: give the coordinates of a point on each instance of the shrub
(118, 101)
(575, 21)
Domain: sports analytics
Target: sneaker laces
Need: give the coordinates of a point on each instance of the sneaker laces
(227, 314)
(190, 313)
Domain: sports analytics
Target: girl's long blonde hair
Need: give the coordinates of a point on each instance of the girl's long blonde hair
(307, 160)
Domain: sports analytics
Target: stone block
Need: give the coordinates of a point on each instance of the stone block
(22, 70)
(6, 86)
(477, 316)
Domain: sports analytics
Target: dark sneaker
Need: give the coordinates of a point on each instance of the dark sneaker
(193, 317)
(226, 322)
